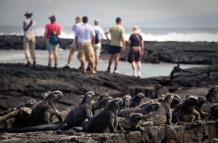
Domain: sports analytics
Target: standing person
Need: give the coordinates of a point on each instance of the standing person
(52, 30)
(85, 40)
(136, 51)
(99, 35)
(29, 39)
(73, 48)
(117, 44)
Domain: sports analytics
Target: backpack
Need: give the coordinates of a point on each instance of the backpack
(54, 39)
(97, 40)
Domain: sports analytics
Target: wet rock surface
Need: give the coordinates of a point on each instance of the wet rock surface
(19, 84)
(154, 52)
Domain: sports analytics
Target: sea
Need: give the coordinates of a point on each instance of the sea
(149, 34)
(209, 34)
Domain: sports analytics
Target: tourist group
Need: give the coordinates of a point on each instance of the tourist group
(87, 41)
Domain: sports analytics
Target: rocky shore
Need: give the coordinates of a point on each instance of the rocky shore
(155, 52)
(19, 84)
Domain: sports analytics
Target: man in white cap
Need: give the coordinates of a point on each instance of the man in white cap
(29, 39)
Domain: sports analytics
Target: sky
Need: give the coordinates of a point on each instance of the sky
(145, 13)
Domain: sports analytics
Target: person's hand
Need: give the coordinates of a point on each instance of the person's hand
(123, 48)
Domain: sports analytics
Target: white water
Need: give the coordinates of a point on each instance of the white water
(149, 34)
(148, 70)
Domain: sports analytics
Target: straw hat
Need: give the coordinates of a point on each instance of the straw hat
(136, 29)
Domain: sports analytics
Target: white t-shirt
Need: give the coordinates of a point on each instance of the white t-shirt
(99, 31)
(85, 33)
(75, 28)
(26, 22)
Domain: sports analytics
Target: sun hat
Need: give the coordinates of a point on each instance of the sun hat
(28, 14)
(136, 29)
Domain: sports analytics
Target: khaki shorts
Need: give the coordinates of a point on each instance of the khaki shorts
(87, 52)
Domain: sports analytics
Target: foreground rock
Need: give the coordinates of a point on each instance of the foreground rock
(156, 134)
(155, 52)
(19, 84)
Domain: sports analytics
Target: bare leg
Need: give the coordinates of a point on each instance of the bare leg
(71, 52)
(82, 59)
(139, 68)
(134, 68)
(117, 59)
(50, 57)
(97, 59)
(55, 51)
(91, 64)
(110, 62)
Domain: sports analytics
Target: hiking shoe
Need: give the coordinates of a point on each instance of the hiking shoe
(28, 64)
(115, 71)
(67, 67)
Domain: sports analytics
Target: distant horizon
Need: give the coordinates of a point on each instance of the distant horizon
(129, 27)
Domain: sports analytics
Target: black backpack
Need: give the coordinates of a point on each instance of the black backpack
(97, 40)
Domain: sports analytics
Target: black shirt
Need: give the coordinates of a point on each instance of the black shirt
(135, 39)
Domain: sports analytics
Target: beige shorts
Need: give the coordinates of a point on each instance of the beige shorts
(87, 52)
(97, 49)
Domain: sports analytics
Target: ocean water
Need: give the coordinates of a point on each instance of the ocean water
(148, 70)
(149, 34)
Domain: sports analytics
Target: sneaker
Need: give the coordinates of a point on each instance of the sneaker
(115, 71)
(139, 74)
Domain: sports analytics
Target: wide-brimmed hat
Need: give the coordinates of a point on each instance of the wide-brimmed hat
(136, 29)
(28, 14)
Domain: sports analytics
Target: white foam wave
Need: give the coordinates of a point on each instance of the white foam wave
(192, 37)
(172, 36)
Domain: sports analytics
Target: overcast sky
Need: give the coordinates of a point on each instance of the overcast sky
(145, 13)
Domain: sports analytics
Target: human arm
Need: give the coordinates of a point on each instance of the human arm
(107, 33)
(59, 31)
(123, 39)
(45, 33)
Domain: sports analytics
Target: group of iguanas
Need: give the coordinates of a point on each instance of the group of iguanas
(107, 114)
